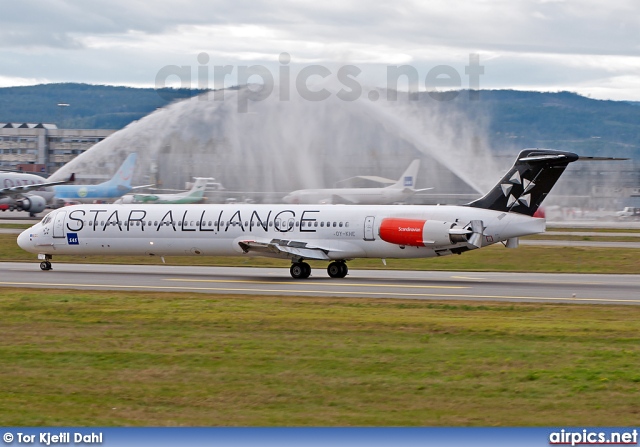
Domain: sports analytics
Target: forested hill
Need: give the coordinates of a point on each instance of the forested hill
(561, 120)
(90, 106)
(514, 119)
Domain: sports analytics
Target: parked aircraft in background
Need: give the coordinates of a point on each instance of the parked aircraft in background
(26, 192)
(194, 195)
(116, 187)
(398, 192)
(332, 233)
(629, 213)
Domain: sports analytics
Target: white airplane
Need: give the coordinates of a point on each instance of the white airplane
(334, 233)
(398, 192)
(27, 192)
(194, 195)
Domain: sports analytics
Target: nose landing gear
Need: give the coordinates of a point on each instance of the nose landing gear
(45, 265)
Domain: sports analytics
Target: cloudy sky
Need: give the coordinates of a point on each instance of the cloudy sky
(587, 46)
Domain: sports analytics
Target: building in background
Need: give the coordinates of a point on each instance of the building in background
(42, 147)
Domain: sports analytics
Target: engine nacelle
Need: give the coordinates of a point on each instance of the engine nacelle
(423, 233)
(33, 204)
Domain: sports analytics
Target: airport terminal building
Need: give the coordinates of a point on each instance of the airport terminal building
(42, 147)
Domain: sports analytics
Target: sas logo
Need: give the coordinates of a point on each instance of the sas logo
(408, 181)
(72, 239)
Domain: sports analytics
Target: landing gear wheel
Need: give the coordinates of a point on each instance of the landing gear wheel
(307, 269)
(337, 269)
(300, 270)
(45, 265)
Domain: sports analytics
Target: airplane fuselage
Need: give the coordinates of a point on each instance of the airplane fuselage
(360, 196)
(90, 193)
(334, 231)
(17, 179)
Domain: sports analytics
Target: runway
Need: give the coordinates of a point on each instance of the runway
(419, 285)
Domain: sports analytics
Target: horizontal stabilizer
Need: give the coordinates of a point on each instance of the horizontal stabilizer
(581, 158)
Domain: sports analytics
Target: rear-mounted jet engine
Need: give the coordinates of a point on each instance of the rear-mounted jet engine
(430, 233)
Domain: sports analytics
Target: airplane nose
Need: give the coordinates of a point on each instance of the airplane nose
(24, 240)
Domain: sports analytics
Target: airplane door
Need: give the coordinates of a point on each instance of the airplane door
(58, 224)
(368, 228)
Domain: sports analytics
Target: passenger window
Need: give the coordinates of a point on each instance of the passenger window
(340, 224)
(322, 224)
(334, 225)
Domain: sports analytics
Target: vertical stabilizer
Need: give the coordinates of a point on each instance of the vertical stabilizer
(124, 174)
(528, 182)
(199, 186)
(409, 177)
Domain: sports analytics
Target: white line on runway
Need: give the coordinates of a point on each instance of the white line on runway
(342, 284)
(320, 292)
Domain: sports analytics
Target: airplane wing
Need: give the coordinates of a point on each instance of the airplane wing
(412, 190)
(338, 199)
(282, 248)
(22, 189)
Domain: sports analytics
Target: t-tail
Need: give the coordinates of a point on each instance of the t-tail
(528, 182)
(409, 177)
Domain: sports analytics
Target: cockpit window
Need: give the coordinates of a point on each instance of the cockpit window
(46, 219)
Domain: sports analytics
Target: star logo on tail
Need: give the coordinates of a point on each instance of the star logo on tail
(510, 190)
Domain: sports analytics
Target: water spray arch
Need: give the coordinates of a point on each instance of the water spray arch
(279, 146)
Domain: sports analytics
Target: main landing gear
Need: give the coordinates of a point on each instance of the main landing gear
(338, 269)
(302, 270)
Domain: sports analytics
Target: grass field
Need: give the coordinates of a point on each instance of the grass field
(140, 359)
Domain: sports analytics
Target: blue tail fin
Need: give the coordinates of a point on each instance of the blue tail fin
(124, 174)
